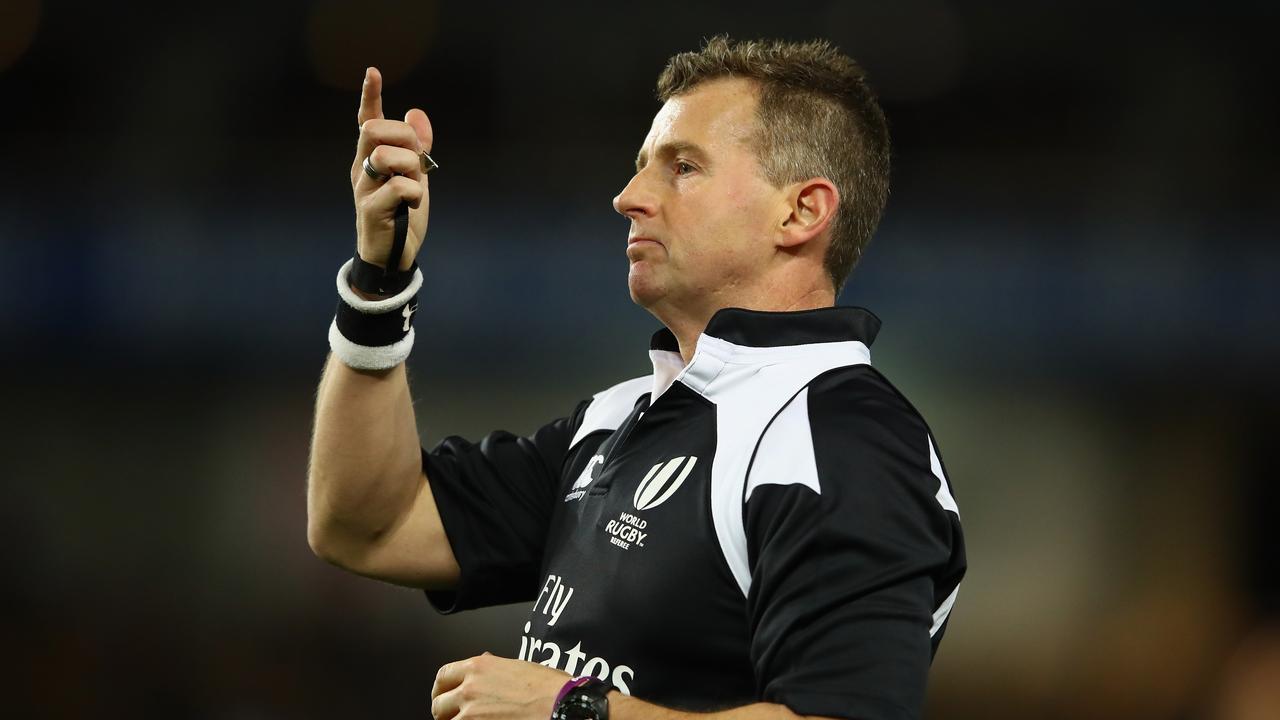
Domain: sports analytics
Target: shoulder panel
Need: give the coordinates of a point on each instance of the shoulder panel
(785, 453)
(610, 407)
(749, 386)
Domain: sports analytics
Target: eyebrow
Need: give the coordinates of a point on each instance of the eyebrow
(670, 149)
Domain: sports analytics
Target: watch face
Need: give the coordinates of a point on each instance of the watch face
(578, 707)
(578, 711)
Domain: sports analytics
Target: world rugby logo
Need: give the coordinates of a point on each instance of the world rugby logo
(661, 481)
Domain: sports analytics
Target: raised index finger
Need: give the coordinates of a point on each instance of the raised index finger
(370, 96)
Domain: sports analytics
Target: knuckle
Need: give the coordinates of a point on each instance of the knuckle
(391, 158)
(376, 199)
(406, 187)
(406, 160)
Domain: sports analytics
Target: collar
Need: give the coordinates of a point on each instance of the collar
(761, 328)
(757, 336)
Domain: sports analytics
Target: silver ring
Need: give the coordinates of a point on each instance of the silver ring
(373, 172)
(427, 163)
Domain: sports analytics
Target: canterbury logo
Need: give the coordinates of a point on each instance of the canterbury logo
(658, 484)
(589, 473)
(407, 314)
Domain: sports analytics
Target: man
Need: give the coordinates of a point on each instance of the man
(762, 526)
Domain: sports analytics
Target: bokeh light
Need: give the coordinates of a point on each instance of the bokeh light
(346, 36)
(19, 20)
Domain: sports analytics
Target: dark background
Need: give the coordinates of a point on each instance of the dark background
(1078, 276)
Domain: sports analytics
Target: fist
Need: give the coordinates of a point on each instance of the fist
(393, 148)
(487, 686)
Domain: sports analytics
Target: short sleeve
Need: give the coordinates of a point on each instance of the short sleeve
(852, 579)
(495, 499)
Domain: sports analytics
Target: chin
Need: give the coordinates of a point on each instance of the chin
(646, 289)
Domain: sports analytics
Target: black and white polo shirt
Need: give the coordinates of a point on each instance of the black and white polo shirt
(770, 523)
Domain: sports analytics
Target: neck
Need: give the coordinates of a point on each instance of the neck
(689, 325)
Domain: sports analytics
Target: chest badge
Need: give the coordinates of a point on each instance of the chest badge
(590, 473)
(662, 480)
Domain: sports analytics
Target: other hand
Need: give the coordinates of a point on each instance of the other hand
(488, 686)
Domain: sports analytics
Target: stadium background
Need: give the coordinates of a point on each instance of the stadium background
(1077, 274)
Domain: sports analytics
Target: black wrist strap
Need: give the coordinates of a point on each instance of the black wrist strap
(370, 278)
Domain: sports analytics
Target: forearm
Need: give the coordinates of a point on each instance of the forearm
(506, 689)
(365, 459)
(625, 707)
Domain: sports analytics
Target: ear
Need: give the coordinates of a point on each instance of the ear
(809, 210)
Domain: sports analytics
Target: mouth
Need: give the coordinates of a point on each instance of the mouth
(638, 239)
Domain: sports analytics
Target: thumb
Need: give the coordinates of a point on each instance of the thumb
(421, 127)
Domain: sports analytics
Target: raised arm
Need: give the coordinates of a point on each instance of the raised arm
(369, 505)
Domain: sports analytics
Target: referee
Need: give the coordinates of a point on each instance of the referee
(762, 526)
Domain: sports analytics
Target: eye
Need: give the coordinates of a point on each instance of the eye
(683, 168)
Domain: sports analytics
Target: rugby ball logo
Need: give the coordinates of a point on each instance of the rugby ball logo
(661, 481)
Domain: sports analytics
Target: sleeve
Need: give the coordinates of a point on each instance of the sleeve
(495, 500)
(848, 570)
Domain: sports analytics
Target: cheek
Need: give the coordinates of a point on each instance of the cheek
(727, 230)
(740, 207)
(715, 227)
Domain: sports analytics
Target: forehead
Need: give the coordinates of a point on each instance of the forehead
(715, 115)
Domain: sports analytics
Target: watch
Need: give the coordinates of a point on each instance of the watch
(583, 698)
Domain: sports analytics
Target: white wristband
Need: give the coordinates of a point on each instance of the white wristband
(366, 357)
(363, 357)
(375, 307)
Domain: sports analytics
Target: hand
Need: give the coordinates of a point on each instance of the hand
(393, 147)
(488, 686)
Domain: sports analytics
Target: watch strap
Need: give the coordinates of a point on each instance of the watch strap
(584, 696)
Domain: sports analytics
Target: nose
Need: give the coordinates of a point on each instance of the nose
(635, 200)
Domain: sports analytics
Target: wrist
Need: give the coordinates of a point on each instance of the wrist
(583, 698)
(374, 281)
(617, 703)
(368, 296)
(371, 331)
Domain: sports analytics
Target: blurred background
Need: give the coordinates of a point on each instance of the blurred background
(1078, 275)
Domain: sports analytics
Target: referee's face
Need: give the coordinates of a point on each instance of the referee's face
(701, 210)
